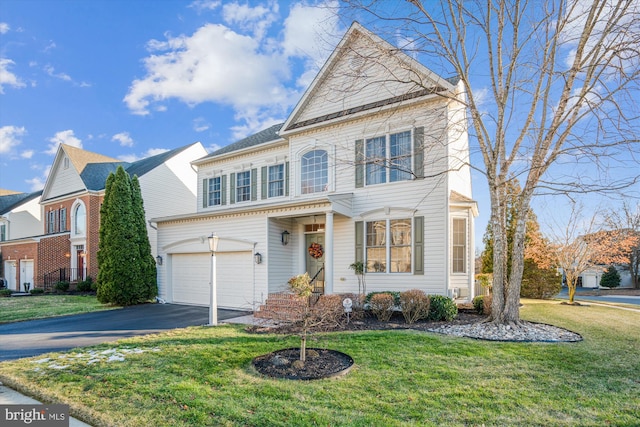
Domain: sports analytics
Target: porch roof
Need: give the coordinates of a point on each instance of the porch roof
(336, 203)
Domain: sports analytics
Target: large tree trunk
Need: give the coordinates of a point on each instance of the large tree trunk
(498, 222)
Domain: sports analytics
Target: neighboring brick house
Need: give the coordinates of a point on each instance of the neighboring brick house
(64, 245)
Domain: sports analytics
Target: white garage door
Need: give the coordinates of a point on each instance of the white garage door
(191, 275)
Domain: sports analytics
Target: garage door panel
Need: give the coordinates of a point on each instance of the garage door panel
(191, 275)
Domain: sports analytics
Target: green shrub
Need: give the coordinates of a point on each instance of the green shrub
(478, 304)
(85, 285)
(610, 278)
(394, 294)
(539, 283)
(61, 286)
(442, 308)
(5, 292)
(382, 306)
(414, 305)
(482, 304)
(37, 291)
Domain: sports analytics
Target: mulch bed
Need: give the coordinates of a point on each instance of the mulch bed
(320, 363)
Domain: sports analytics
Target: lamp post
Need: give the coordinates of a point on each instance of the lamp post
(213, 301)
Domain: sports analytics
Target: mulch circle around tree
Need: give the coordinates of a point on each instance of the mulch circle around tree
(320, 363)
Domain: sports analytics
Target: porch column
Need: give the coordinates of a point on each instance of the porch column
(302, 254)
(328, 254)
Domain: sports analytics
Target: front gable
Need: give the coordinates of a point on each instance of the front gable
(364, 74)
(66, 171)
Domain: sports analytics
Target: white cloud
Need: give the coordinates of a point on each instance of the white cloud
(130, 158)
(200, 124)
(10, 138)
(256, 19)
(27, 154)
(7, 77)
(52, 72)
(63, 137)
(123, 138)
(213, 147)
(4, 28)
(201, 5)
(37, 182)
(235, 64)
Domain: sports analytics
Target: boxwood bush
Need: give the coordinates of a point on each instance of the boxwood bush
(61, 286)
(37, 291)
(442, 308)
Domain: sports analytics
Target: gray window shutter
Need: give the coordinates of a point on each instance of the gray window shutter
(232, 189)
(223, 190)
(286, 178)
(359, 244)
(418, 245)
(418, 152)
(264, 182)
(205, 192)
(359, 163)
(254, 184)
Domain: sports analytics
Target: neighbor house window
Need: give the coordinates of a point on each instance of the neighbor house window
(388, 159)
(80, 220)
(388, 246)
(243, 186)
(276, 181)
(314, 172)
(459, 245)
(215, 191)
(3, 232)
(63, 219)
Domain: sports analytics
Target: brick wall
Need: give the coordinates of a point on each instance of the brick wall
(53, 254)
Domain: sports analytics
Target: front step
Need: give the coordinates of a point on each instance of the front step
(282, 306)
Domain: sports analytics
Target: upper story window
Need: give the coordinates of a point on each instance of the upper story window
(51, 221)
(214, 193)
(276, 181)
(63, 219)
(243, 186)
(80, 220)
(3, 232)
(388, 159)
(314, 175)
(459, 245)
(65, 163)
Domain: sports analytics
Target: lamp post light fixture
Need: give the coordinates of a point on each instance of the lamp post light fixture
(213, 300)
(285, 238)
(258, 258)
(159, 260)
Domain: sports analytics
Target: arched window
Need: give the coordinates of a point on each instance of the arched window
(80, 220)
(314, 172)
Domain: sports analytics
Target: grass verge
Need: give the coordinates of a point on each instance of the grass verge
(41, 306)
(202, 376)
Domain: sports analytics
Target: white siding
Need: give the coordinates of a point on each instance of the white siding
(282, 260)
(25, 220)
(63, 181)
(364, 74)
(169, 189)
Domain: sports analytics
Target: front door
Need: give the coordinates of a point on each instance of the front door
(10, 274)
(26, 273)
(80, 263)
(315, 263)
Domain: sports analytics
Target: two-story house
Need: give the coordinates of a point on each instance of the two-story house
(64, 245)
(371, 166)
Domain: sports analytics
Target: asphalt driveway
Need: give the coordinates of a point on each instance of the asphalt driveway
(34, 337)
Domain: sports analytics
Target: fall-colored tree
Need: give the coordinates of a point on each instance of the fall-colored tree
(627, 220)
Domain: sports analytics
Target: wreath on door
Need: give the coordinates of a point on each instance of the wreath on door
(315, 250)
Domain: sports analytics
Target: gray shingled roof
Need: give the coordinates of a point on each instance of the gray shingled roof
(95, 175)
(267, 135)
(10, 201)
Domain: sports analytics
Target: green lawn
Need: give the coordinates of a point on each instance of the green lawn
(201, 376)
(40, 306)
